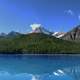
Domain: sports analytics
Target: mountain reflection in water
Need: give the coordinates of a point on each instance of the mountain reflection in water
(27, 67)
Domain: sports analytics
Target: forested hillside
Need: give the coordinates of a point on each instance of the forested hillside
(37, 43)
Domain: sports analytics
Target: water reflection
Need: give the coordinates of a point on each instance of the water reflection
(24, 67)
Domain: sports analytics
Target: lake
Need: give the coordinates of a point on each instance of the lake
(39, 67)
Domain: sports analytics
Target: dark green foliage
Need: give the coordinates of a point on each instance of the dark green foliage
(39, 43)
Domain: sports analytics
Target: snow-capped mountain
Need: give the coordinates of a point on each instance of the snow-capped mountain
(37, 28)
(58, 34)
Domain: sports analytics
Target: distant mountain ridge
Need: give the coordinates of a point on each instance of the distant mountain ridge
(10, 34)
(73, 35)
(3, 34)
(13, 34)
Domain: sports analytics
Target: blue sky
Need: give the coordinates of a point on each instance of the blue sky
(54, 15)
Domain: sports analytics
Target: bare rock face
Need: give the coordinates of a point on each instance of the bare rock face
(74, 34)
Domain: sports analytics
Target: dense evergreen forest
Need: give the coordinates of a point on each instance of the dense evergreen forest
(37, 43)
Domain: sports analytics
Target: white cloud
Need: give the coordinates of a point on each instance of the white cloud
(79, 17)
(69, 12)
(72, 13)
(34, 26)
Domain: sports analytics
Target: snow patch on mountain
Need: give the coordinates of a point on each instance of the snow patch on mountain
(58, 34)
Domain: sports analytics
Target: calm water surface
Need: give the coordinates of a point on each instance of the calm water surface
(27, 67)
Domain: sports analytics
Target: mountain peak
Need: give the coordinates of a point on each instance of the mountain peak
(35, 26)
(38, 28)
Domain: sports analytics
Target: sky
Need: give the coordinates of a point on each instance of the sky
(54, 15)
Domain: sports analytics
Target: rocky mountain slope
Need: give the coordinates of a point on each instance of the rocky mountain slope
(73, 35)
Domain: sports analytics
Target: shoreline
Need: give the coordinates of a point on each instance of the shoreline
(39, 54)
